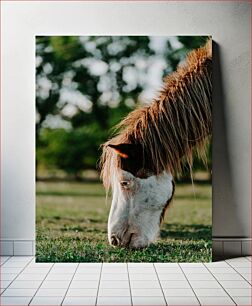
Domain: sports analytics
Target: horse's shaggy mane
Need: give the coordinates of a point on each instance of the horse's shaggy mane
(175, 124)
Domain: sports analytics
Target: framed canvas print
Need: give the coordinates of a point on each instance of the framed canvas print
(123, 148)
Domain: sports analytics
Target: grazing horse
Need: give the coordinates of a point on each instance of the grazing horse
(151, 145)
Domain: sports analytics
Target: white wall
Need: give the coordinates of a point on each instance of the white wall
(227, 22)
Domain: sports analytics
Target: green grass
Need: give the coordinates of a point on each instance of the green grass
(71, 223)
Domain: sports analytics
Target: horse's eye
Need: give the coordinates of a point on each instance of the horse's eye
(125, 184)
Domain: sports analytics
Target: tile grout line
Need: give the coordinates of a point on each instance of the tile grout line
(16, 276)
(239, 273)
(70, 284)
(96, 300)
(131, 299)
(189, 284)
(160, 283)
(9, 257)
(246, 258)
(1, 266)
(220, 284)
(41, 284)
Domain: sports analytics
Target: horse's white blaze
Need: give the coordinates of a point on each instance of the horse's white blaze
(136, 207)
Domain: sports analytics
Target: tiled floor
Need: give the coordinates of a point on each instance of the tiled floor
(24, 282)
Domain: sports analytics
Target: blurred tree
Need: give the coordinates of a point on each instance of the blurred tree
(66, 70)
(72, 150)
(84, 87)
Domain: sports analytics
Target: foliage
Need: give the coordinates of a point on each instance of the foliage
(84, 87)
(72, 226)
(72, 150)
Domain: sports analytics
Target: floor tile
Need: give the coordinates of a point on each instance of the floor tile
(194, 270)
(235, 284)
(84, 267)
(88, 271)
(47, 300)
(19, 292)
(171, 276)
(142, 271)
(175, 284)
(114, 264)
(65, 265)
(21, 258)
(243, 300)
(146, 292)
(59, 277)
(25, 284)
(144, 284)
(114, 292)
(51, 292)
(217, 270)
(92, 264)
(119, 269)
(14, 264)
(9, 270)
(200, 276)
(103, 300)
(9, 276)
(55, 284)
(5, 283)
(217, 264)
(85, 284)
(138, 276)
(144, 300)
(169, 270)
(166, 264)
(239, 291)
(247, 277)
(237, 259)
(82, 292)
(80, 300)
(114, 284)
(62, 270)
(32, 270)
(87, 276)
(241, 264)
(221, 300)
(40, 265)
(28, 276)
(119, 276)
(249, 258)
(178, 292)
(204, 284)
(210, 292)
(4, 259)
(14, 300)
(243, 270)
(140, 264)
(229, 276)
(180, 300)
(191, 264)
(136, 269)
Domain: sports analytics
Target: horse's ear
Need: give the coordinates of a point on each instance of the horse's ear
(124, 150)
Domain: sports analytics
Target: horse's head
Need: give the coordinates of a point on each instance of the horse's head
(162, 135)
(139, 198)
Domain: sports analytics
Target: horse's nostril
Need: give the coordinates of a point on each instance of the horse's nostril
(115, 241)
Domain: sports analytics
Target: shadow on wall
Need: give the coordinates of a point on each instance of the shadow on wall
(226, 217)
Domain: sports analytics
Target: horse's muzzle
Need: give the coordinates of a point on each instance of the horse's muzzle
(115, 241)
(131, 241)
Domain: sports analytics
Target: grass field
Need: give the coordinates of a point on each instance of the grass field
(71, 225)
